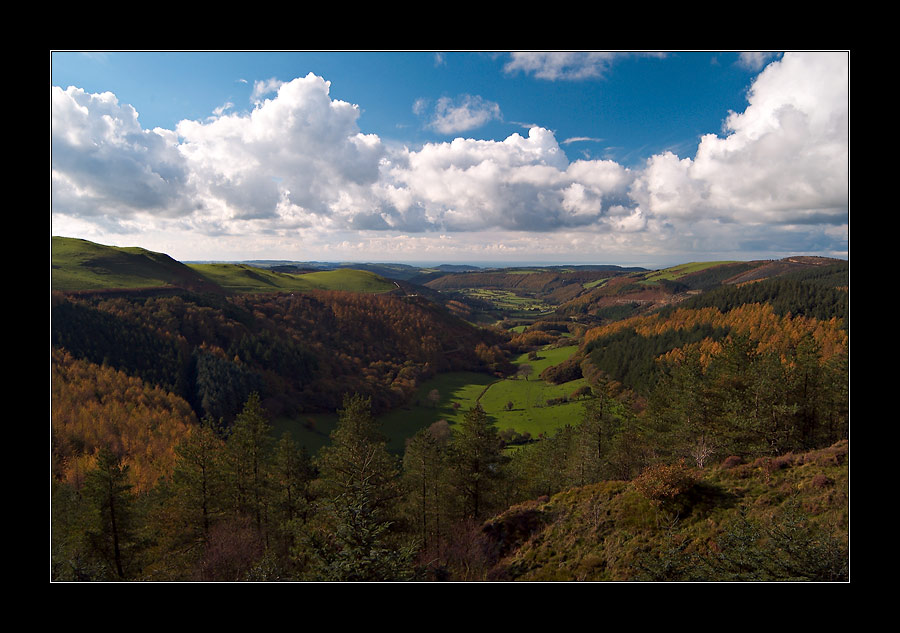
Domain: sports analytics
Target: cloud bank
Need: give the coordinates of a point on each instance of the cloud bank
(296, 177)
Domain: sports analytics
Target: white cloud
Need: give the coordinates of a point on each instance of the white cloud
(299, 154)
(462, 114)
(297, 170)
(565, 65)
(785, 159)
(263, 88)
(755, 60)
(223, 108)
(106, 167)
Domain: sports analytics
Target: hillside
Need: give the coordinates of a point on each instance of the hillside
(243, 278)
(234, 427)
(640, 293)
(784, 518)
(81, 265)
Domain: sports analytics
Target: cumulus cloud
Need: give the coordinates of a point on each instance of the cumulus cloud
(520, 183)
(297, 166)
(784, 159)
(298, 155)
(104, 165)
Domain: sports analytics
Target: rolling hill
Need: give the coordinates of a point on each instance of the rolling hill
(80, 265)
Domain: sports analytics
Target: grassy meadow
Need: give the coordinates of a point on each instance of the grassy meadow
(245, 279)
(676, 272)
(82, 265)
(457, 393)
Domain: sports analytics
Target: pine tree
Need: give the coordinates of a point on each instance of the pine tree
(423, 477)
(476, 461)
(249, 450)
(110, 531)
(360, 484)
(198, 476)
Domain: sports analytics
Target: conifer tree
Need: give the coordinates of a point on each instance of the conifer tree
(423, 476)
(110, 531)
(198, 476)
(360, 484)
(292, 473)
(249, 450)
(476, 461)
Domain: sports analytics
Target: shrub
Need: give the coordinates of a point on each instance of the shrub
(664, 482)
(731, 462)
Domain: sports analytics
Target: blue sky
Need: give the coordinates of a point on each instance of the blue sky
(556, 157)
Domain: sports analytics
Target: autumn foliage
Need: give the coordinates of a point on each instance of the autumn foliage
(92, 407)
(664, 482)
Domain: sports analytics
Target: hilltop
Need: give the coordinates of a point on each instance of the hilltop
(593, 295)
(80, 265)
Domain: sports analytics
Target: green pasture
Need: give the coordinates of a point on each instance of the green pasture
(82, 265)
(246, 279)
(508, 301)
(458, 392)
(593, 284)
(311, 430)
(676, 272)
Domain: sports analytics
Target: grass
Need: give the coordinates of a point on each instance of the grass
(458, 393)
(509, 302)
(246, 279)
(77, 264)
(593, 284)
(530, 411)
(465, 389)
(676, 272)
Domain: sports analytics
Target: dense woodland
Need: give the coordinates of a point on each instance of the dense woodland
(165, 466)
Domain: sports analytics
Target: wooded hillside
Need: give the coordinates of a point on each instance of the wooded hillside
(706, 439)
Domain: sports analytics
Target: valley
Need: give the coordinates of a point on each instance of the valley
(558, 385)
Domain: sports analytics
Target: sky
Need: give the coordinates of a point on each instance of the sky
(554, 157)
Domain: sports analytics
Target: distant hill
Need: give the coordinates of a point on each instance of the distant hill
(640, 292)
(80, 265)
(243, 278)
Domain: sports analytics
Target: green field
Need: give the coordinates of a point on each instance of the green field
(529, 397)
(676, 272)
(464, 388)
(245, 279)
(593, 284)
(529, 412)
(509, 302)
(82, 265)
(77, 264)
